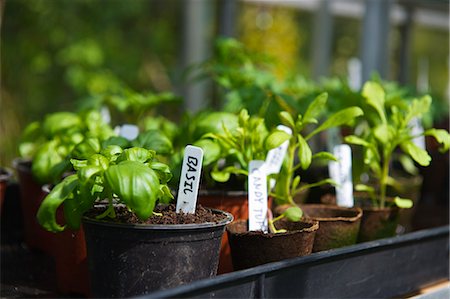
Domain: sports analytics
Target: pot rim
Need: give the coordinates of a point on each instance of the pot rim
(212, 192)
(19, 163)
(5, 174)
(189, 226)
(314, 227)
(358, 210)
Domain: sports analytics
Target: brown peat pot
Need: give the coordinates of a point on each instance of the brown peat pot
(378, 223)
(338, 226)
(234, 202)
(134, 259)
(253, 248)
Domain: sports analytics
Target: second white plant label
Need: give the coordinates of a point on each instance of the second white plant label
(190, 179)
(341, 173)
(257, 196)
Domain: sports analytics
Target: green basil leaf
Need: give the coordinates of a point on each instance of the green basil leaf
(116, 140)
(46, 214)
(276, 138)
(86, 173)
(136, 154)
(86, 148)
(419, 155)
(136, 185)
(293, 214)
(162, 170)
(403, 203)
(154, 140)
(44, 161)
(304, 152)
(98, 160)
(111, 152)
(211, 151)
(375, 97)
(316, 108)
(60, 122)
(77, 164)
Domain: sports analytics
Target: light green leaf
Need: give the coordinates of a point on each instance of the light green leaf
(220, 176)
(418, 108)
(403, 203)
(315, 108)
(46, 214)
(293, 214)
(276, 138)
(287, 120)
(339, 118)
(243, 117)
(352, 139)
(304, 152)
(59, 122)
(375, 97)
(211, 150)
(136, 185)
(317, 184)
(136, 154)
(325, 156)
(381, 132)
(408, 164)
(441, 136)
(419, 155)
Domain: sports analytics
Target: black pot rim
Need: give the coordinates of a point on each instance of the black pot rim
(19, 163)
(5, 174)
(165, 227)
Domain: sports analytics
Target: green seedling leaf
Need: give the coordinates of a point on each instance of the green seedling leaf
(293, 214)
(418, 108)
(136, 154)
(408, 164)
(339, 118)
(162, 170)
(136, 185)
(419, 155)
(111, 152)
(304, 152)
(352, 139)
(316, 184)
(364, 188)
(46, 214)
(98, 160)
(276, 138)
(243, 118)
(220, 176)
(441, 136)
(316, 108)
(77, 164)
(403, 203)
(381, 132)
(375, 97)
(325, 156)
(287, 120)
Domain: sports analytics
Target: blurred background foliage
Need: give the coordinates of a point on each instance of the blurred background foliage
(56, 54)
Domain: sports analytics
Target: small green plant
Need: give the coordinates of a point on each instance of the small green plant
(229, 151)
(387, 130)
(50, 143)
(130, 176)
(287, 182)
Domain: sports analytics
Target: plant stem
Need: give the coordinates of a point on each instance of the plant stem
(290, 172)
(383, 181)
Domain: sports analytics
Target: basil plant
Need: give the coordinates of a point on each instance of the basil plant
(299, 154)
(130, 176)
(386, 129)
(49, 143)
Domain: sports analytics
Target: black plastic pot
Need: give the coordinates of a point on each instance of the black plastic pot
(128, 260)
(389, 268)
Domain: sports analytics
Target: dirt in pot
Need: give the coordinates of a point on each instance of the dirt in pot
(163, 214)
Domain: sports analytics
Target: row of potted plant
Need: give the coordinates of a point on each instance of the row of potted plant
(108, 179)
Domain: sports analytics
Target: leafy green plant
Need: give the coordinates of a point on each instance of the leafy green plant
(299, 154)
(130, 176)
(51, 143)
(387, 128)
(230, 150)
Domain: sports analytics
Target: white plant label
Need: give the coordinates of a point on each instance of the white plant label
(190, 179)
(275, 156)
(257, 196)
(106, 116)
(341, 173)
(417, 129)
(129, 131)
